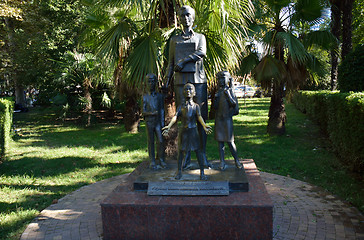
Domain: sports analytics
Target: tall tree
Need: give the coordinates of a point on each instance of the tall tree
(39, 33)
(336, 31)
(137, 40)
(358, 23)
(341, 28)
(86, 72)
(11, 16)
(347, 45)
(287, 34)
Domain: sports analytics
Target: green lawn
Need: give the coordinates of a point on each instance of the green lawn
(50, 159)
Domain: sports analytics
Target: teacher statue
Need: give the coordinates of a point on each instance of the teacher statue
(185, 64)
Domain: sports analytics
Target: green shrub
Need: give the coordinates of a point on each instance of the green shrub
(6, 120)
(351, 71)
(341, 117)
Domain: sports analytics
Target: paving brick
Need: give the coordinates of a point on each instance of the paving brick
(301, 211)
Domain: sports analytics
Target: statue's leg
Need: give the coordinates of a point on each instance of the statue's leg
(222, 155)
(179, 98)
(187, 161)
(201, 100)
(203, 139)
(151, 151)
(235, 154)
(179, 165)
(201, 164)
(160, 146)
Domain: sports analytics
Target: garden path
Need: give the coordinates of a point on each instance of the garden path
(301, 211)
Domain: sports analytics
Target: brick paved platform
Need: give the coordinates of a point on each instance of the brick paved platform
(301, 211)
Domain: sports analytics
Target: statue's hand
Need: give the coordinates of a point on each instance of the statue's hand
(208, 129)
(165, 131)
(179, 66)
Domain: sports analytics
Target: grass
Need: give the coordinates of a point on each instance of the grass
(50, 159)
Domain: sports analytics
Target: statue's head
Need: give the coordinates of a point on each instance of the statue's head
(189, 91)
(187, 16)
(152, 80)
(223, 78)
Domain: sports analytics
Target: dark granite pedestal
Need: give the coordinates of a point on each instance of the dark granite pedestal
(129, 214)
(236, 178)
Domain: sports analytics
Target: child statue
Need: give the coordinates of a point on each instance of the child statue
(153, 112)
(226, 105)
(188, 139)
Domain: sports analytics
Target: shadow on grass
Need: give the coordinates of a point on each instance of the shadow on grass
(97, 138)
(39, 167)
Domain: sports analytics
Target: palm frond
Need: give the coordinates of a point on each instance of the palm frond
(98, 19)
(248, 63)
(307, 10)
(216, 57)
(296, 74)
(144, 58)
(109, 42)
(122, 3)
(277, 5)
(314, 65)
(323, 38)
(269, 69)
(295, 47)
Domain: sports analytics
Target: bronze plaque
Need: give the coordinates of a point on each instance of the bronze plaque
(184, 188)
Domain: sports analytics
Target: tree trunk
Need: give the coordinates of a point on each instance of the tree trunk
(132, 113)
(347, 28)
(335, 30)
(212, 110)
(88, 108)
(171, 140)
(167, 18)
(19, 94)
(277, 113)
(19, 88)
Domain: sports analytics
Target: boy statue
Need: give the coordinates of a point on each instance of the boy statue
(188, 139)
(153, 112)
(226, 105)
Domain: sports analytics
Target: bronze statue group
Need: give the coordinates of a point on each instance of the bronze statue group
(185, 67)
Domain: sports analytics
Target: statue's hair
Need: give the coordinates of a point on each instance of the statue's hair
(222, 73)
(151, 75)
(186, 7)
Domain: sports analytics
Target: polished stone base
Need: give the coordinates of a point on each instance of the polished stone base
(129, 214)
(236, 178)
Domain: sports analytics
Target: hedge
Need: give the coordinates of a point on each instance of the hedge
(341, 117)
(6, 120)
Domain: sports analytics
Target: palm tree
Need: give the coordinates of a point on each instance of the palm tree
(341, 26)
(285, 31)
(347, 15)
(83, 69)
(136, 40)
(336, 31)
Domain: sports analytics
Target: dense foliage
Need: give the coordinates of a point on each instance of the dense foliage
(351, 71)
(341, 116)
(35, 39)
(288, 31)
(6, 120)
